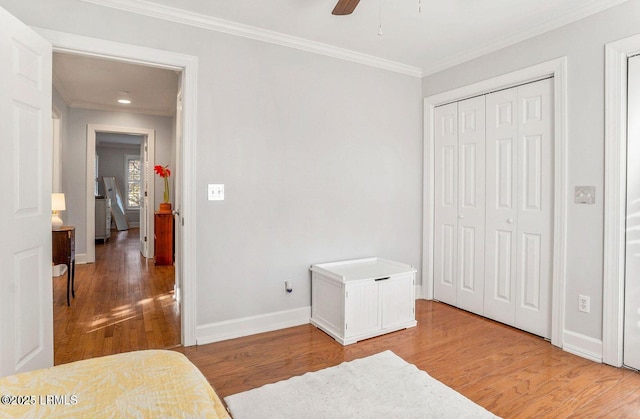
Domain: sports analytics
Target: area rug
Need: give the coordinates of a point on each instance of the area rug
(378, 386)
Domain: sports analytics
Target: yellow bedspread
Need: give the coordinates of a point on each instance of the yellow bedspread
(143, 384)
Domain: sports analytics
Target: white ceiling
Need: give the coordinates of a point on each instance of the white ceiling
(93, 83)
(444, 33)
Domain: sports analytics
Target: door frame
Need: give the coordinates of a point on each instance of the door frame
(558, 69)
(615, 186)
(188, 64)
(92, 131)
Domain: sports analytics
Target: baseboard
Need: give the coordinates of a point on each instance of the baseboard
(583, 346)
(231, 329)
(81, 259)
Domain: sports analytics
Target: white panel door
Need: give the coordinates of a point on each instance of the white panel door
(501, 206)
(519, 211)
(471, 203)
(26, 315)
(446, 203)
(632, 269)
(177, 198)
(535, 207)
(147, 176)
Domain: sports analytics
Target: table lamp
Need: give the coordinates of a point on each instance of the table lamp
(57, 204)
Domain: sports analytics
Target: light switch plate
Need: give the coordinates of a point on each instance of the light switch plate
(215, 191)
(585, 195)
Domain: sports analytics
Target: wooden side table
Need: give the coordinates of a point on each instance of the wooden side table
(163, 238)
(64, 253)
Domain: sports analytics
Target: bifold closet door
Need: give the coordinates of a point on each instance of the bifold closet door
(459, 212)
(519, 209)
(446, 203)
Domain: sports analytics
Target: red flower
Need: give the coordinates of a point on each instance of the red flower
(163, 171)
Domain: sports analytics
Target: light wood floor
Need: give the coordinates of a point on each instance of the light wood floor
(123, 303)
(509, 372)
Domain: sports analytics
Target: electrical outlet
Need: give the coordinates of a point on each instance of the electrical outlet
(584, 304)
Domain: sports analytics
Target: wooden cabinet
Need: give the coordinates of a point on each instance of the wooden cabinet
(163, 238)
(103, 219)
(64, 253)
(359, 299)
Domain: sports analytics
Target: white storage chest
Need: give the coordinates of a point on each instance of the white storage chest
(359, 299)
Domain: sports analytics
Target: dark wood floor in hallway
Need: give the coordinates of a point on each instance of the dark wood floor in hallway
(123, 303)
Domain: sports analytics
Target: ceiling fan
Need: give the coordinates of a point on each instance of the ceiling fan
(345, 7)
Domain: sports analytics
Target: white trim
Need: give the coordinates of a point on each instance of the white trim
(92, 130)
(236, 328)
(615, 164)
(198, 20)
(584, 346)
(81, 258)
(56, 116)
(76, 44)
(558, 69)
(186, 17)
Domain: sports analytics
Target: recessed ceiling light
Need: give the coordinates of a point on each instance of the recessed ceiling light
(123, 97)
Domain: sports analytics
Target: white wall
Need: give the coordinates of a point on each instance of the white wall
(583, 44)
(74, 173)
(321, 158)
(61, 107)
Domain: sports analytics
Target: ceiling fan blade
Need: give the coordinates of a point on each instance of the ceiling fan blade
(345, 7)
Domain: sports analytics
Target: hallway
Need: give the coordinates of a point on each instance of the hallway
(123, 303)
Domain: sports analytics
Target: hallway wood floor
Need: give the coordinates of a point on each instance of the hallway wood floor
(510, 372)
(123, 303)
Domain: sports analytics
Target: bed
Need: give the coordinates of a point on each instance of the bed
(144, 384)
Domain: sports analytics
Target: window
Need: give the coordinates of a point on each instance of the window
(133, 176)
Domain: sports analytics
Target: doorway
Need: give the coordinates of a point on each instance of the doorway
(117, 144)
(185, 178)
(115, 150)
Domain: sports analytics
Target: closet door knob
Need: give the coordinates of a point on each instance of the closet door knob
(509, 220)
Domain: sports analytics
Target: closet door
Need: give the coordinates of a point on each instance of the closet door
(502, 207)
(535, 223)
(520, 206)
(446, 203)
(471, 203)
(459, 206)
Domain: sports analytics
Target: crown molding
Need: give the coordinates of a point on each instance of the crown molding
(185, 17)
(586, 10)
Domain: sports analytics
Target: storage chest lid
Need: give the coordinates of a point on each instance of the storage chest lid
(362, 269)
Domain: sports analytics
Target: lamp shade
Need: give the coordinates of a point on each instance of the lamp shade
(57, 202)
